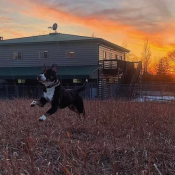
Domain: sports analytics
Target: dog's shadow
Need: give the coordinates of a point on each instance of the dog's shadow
(81, 134)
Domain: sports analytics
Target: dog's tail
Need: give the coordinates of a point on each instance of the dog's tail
(83, 87)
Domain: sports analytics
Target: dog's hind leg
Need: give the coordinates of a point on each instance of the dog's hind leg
(74, 109)
(80, 107)
(84, 114)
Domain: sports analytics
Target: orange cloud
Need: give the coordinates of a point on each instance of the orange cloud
(134, 35)
(13, 33)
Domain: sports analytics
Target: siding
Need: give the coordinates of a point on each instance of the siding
(108, 52)
(86, 54)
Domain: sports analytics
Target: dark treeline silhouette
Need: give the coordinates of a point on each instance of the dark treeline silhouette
(159, 77)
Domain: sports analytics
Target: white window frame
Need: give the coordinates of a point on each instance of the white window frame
(70, 54)
(17, 55)
(42, 54)
(104, 55)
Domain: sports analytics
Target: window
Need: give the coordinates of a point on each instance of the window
(43, 54)
(70, 54)
(21, 81)
(17, 55)
(120, 57)
(110, 56)
(77, 81)
(104, 54)
(116, 57)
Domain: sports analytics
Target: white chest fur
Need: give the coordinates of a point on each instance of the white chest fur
(49, 94)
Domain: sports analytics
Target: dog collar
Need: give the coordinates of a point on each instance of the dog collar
(57, 83)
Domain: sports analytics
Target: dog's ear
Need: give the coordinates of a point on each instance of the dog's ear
(54, 68)
(44, 68)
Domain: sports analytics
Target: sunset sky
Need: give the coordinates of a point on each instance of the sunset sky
(124, 22)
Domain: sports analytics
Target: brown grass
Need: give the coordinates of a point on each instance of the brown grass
(116, 138)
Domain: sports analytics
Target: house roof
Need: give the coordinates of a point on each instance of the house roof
(52, 37)
(65, 72)
(59, 37)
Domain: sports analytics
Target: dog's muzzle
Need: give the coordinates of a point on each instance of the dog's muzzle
(41, 78)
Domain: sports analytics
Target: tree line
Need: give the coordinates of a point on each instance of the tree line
(155, 69)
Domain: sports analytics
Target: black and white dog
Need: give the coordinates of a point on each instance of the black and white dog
(56, 95)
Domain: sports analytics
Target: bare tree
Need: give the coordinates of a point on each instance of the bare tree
(146, 56)
(125, 44)
(93, 35)
(132, 57)
(171, 59)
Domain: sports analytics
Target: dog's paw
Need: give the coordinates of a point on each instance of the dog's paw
(33, 103)
(42, 118)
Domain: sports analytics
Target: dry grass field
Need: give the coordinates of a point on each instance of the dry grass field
(116, 138)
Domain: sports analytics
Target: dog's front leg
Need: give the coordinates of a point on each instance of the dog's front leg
(41, 102)
(51, 111)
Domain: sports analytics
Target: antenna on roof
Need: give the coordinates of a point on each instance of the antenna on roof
(54, 27)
